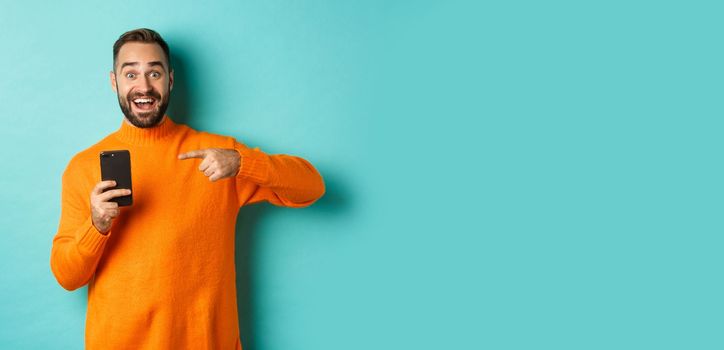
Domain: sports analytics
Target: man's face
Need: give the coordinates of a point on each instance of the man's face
(142, 82)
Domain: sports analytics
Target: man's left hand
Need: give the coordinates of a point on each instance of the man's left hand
(218, 163)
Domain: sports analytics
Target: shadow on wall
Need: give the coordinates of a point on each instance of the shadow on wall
(181, 102)
(334, 202)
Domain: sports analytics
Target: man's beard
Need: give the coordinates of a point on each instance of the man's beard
(146, 119)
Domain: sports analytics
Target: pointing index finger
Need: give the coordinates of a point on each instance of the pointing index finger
(199, 153)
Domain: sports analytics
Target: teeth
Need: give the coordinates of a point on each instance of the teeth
(143, 100)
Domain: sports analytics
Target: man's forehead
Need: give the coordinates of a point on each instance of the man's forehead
(140, 54)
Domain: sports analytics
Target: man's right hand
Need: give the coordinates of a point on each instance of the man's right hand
(102, 210)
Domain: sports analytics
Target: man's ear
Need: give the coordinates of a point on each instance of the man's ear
(113, 82)
(170, 80)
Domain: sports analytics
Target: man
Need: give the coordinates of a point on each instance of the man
(160, 272)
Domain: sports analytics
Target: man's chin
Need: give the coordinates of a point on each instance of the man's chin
(145, 120)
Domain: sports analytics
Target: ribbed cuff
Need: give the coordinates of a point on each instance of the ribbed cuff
(254, 165)
(90, 240)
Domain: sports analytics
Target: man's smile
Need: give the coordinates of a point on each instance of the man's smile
(144, 103)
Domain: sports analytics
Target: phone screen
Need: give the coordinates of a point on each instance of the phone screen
(116, 165)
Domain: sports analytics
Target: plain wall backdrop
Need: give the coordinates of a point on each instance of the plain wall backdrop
(500, 175)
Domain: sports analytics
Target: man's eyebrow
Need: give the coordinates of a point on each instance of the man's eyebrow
(128, 64)
(152, 63)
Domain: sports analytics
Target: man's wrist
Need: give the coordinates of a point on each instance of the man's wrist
(241, 162)
(253, 165)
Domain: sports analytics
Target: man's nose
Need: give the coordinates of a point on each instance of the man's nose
(145, 84)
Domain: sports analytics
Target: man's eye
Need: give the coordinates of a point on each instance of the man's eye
(155, 75)
(130, 75)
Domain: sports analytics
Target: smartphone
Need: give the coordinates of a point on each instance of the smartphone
(116, 165)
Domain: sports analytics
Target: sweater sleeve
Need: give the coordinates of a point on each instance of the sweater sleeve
(280, 179)
(78, 245)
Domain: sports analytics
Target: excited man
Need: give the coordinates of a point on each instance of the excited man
(161, 272)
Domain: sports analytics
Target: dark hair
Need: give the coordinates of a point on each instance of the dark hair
(143, 35)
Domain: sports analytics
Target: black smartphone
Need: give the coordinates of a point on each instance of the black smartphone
(116, 165)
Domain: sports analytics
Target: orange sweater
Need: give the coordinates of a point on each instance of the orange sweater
(164, 276)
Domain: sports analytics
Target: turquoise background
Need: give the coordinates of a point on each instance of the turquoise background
(500, 175)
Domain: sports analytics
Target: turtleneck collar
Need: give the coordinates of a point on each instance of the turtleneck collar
(131, 134)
